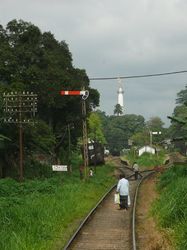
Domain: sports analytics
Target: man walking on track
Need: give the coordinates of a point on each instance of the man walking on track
(123, 190)
(136, 170)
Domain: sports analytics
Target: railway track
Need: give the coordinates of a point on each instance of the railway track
(106, 227)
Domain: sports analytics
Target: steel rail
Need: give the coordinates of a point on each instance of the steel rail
(87, 217)
(96, 206)
(131, 169)
(90, 213)
(134, 208)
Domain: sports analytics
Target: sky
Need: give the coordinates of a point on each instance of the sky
(113, 38)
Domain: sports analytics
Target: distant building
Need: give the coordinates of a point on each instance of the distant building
(147, 149)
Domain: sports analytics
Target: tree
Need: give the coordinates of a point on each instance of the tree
(155, 123)
(103, 117)
(121, 128)
(95, 128)
(38, 62)
(178, 126)
(141, 138)
(118, 110)
(34, 61)
(182, 97)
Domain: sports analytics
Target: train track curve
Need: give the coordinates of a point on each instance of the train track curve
(106, 227)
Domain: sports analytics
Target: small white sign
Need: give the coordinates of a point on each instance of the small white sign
(157, 133)
(60, 167)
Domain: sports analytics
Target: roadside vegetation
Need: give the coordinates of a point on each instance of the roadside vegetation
(146, 160)
(42, 213)
(149, 160)
(170, 209)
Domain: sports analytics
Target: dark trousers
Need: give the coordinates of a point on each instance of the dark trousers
(123, 201)
(136, 175)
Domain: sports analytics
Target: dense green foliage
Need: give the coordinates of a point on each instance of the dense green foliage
(34, 61)
(146, 137)
(182, 97)
(179, 118)
(141, 138)
(118, 129)
(155, 124)
(40, 214)
(170, 209)
(179, 121)
(95, 128)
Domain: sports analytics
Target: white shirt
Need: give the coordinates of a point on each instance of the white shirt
(136, 167)
(123, 187)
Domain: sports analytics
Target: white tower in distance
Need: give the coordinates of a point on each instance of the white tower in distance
(120, 94)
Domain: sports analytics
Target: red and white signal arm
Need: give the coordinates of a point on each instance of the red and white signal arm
(83, 93)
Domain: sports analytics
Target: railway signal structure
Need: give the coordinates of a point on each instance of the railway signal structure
(151, 135)
(20, 108)
(84, 94)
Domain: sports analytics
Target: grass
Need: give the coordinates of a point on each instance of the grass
(42, 213)
(171, 207)
(150, 160)
(146, 160)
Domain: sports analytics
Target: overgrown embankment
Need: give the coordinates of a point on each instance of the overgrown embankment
(42, 214)
(171, 207)
(146, 160)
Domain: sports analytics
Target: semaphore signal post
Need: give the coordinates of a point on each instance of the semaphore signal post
(84, 94)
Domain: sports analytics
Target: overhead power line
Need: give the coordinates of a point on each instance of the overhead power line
(109, 78)
(137, 76)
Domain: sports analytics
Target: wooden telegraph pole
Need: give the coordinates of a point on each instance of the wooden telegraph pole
(84, 94)
(18, 106)
(85, 138)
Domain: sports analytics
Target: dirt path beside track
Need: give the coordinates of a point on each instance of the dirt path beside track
(148, 235)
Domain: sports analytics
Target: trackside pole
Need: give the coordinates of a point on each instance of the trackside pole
(85, 139)
(84, 94)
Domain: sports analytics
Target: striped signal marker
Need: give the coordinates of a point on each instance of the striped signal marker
(83, 93)
(73, 92)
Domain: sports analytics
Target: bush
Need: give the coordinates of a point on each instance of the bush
(146, 159)
(171, 175)
(35, 169)
(170, 209)
(150, 160)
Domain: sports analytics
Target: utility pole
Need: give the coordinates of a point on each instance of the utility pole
(156, 133)
(18, 106)
(151, 138)
(69, 148)
(85, 138)
(151, 133)
(95, 153)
